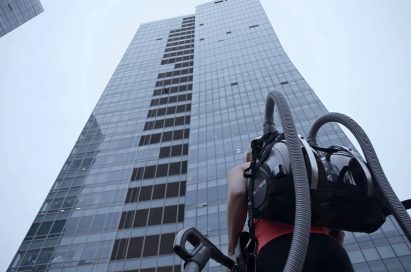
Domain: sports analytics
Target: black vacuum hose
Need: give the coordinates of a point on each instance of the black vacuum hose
(302, 221)
(391, 198)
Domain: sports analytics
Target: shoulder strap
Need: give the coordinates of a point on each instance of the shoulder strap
(260, 149)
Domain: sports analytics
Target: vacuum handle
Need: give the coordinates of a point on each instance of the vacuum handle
(406, 204)
(200, 248)
(191, 267)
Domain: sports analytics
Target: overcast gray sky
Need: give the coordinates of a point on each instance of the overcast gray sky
(354, 54)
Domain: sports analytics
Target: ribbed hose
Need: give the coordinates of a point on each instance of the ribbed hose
(394, 203)
(302, 221)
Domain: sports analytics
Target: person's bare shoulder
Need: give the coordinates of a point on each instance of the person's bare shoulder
(237, 170)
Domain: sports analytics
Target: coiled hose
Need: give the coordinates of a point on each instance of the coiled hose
(302, 222)
(391, 198)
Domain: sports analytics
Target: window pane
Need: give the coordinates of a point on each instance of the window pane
(169, 122)
(162, 170)
(30, 258)
(401, 249)
(58, 226)
(356, 256)
(167, 241)
(149, 172)
(167, 136)
(135, 247)
(370, 254)
(44, 228)
(155, 138)
(89, 253)
(164, 152)
(170, 214)
(145, 193)
(178, 134)
(182, 188)
(98, 223)
(84, 224)
(176, 150)
(159, 191)
(44, 256)
(151, 245)
(33, 229)
(386, 251)
(174, 168)
(140, 218)
(180, 213)
(172, 189)
(155, 216)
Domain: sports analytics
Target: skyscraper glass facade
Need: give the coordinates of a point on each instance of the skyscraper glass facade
(14, 13)
(179, 111)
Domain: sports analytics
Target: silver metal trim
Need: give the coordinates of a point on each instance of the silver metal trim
(313, 163)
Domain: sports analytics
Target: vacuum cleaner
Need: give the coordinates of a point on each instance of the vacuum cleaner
(291, 179)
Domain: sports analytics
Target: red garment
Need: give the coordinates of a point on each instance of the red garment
(266, 230)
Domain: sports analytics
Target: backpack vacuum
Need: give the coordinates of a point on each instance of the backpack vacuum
(293, 180)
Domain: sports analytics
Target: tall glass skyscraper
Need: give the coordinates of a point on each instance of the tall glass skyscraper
(14, 13)
(178, 113)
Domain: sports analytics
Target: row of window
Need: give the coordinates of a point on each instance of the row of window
(180, 47)
(169, 122)
(176, 73)
(34, 257)
(180, 42)
(174, 89)
(178, 53)
(181, 33)
(68, 190)
(76, 164)
(60, 203)
(177, 59)
(185, 40)
(151, 217)
(175, 268)
(45, 228)
(182, 29)
(164, 136)
(136, 247)
(174, 150)
(188, 24)
(172, 81)
(184, 64)
(158, 191)
(191, 36)
(169, 110)
(170, 99)
(92, 224)
(160, 170)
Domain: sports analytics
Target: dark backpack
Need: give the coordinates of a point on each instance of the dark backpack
(341, 187)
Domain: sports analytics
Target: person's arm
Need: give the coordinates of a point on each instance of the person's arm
(236, 204)
(338, 235)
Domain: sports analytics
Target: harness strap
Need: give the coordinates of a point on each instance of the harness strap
(326, 150)
(260, 149)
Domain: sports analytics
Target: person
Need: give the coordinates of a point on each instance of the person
(324, 253)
